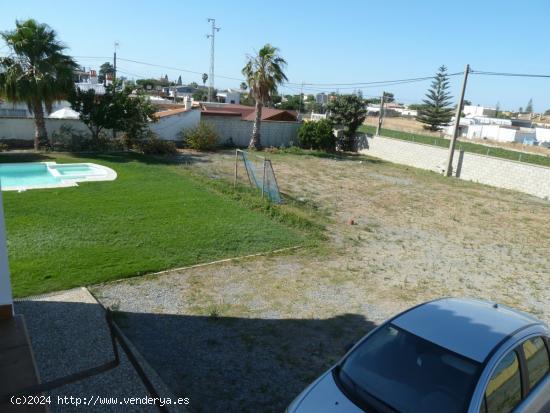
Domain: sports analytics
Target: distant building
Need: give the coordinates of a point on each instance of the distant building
(471, 110)
(88, 81)
(317, 116)
(178, 91)
(543, 136)
(232, 96)
(321, 98)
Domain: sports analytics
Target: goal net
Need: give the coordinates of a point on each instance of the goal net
(259, 173)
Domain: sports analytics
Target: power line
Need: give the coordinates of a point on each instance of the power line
(356, 84)
(174, 68)
(481, 72)
(314, 86)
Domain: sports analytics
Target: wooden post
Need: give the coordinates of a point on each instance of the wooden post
(263, 179)
(236, 164)
(380, 114)
(449, 170)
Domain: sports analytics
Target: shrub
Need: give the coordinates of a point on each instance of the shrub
(67, 138)
(202, 138)
(3, 147)
(17, 143)
(317, 135)
(155, 146)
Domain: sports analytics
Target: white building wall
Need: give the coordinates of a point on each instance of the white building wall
(501, 173)
(492, 132)
(170, 127)
(474, 110)
(543, 134)
(272, 133)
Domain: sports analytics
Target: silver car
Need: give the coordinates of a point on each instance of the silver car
(446, 356)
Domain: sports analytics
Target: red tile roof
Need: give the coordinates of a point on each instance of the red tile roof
(248, 112)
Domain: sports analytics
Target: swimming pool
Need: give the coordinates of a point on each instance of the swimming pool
(34, 175)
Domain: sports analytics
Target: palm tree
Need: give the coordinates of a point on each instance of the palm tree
(263, 72)
(204, 79)
(36, 72)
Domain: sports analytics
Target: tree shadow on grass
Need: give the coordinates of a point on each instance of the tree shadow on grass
(125, 157)
(15, 157)
(223, 364)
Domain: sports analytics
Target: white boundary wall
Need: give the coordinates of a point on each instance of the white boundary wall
(167, 127)
(272, 133)
(501, 173)
(23, 128)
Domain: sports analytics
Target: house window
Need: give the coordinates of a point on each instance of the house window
(536, 356)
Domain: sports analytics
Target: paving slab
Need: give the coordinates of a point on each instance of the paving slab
(69, 334)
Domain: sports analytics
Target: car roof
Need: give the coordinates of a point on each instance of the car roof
(472, 328)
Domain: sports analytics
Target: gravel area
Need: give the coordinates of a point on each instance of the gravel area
(69, 333)
(248, 335)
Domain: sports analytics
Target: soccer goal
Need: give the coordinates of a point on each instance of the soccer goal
(258, 172)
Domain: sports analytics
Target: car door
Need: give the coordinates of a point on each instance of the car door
(520, 382)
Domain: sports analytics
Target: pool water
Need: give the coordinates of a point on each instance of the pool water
(74, 169)
(23, 176)
(15, 175)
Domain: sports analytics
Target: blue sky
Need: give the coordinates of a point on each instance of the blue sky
(323, 42)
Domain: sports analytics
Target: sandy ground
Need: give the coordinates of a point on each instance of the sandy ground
(249, 335)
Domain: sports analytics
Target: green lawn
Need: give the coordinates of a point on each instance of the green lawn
(154, 216)
(466, 146)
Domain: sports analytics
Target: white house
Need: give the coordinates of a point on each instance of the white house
(501, 133)
(478, 111)
(179, 91)
(230, 96)
(543, 136)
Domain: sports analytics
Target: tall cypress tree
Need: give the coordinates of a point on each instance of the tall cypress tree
(437, 110)
(529, 107)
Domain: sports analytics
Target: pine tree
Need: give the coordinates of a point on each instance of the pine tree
(529, 107)
(437, 111)
(179, 81)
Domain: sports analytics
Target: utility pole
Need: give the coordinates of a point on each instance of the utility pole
(114, 62)
(212, 38)
(114, 78)
(380, 114)
(301, 97)
(449, 170)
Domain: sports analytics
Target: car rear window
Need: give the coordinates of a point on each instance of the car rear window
(503, 392)
(536, 356)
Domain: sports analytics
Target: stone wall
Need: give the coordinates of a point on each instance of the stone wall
(501, 173)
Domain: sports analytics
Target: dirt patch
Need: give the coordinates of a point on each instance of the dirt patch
(259, 330)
